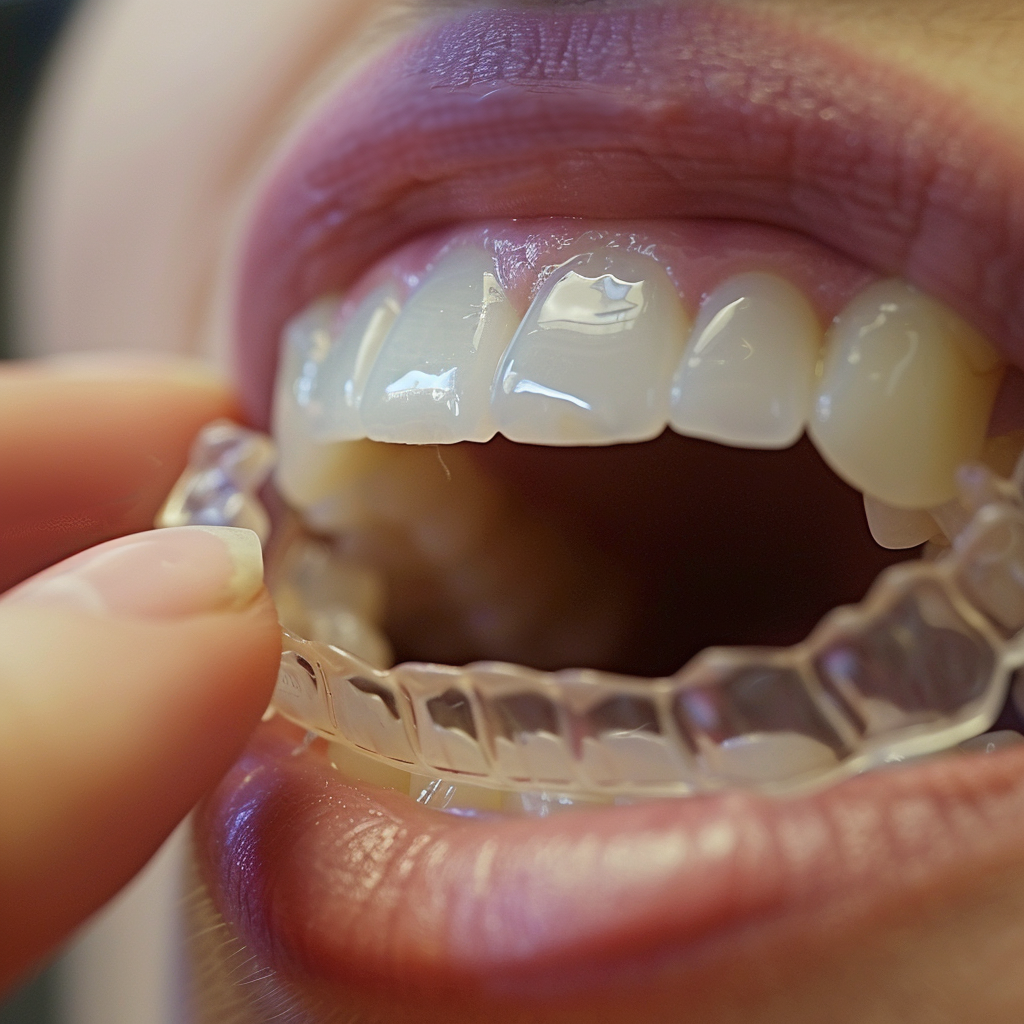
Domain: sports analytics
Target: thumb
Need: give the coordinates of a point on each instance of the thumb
(130, 677)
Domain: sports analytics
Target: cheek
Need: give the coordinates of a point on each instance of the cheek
(154, 116)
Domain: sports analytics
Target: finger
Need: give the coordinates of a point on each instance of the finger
(130, 676)
(90, 448)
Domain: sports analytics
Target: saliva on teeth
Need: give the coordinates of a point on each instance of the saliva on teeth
(895, 394)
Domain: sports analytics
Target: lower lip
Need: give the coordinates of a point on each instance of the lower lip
(353, 888)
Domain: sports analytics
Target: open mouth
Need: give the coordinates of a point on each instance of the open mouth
(571, 452)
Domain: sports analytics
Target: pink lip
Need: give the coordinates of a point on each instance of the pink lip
(678, 111)
(682, 111)
(361, 890)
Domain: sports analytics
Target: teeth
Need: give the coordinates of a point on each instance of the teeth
(747, 374)
(337, 390)
(898, 528)
(432, 378)
(921, 665)
(589, 362)
(903, 397)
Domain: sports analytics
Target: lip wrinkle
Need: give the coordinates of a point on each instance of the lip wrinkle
(341, 884)
(675, 111)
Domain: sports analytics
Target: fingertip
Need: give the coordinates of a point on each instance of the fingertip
(111, 729)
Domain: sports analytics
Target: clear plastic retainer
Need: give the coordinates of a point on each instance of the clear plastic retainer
(920, 665)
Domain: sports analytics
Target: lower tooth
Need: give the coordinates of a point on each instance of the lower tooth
(898, 528)
(919, 666)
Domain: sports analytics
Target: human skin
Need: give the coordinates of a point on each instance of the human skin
(947, 948)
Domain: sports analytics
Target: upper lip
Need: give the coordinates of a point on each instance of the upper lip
(677, 111)
(694, 110)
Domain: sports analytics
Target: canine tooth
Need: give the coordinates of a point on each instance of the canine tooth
(589, 362)
(903, 397)
(747, 374)
(432, 378)
(336, 391)
(898, 528)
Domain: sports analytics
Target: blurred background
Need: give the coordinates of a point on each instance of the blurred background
(28, 29)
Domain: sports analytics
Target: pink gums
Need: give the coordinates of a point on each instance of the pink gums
(696, 255)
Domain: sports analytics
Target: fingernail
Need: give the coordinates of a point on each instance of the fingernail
(162, 574)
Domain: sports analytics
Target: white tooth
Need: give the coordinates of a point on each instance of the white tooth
(904, 395)
(306, 468)
(767, 757)
(338, 389)
(590, 361)
(432, 378)
(898, 528)
(747, 374)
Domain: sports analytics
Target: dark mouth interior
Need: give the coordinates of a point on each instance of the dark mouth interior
(681, 543)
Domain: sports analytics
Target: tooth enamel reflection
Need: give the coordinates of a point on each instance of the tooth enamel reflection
(898, 528)
(589, 362)
(904, 396)
(747, 374)
(431, 381)
(306, 342)
(337, 391)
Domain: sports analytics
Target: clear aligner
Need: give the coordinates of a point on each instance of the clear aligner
(920, 665)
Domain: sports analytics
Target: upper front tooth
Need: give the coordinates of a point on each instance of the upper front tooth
(903, 397)
(336, 394)
(747, 374)
(431, 380)
(589, 362)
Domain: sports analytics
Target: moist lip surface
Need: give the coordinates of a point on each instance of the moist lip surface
(341, 887)
(645, 113)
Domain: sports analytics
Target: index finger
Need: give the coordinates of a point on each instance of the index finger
(88, 452)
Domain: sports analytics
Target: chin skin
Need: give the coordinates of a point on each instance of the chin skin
(136, 181)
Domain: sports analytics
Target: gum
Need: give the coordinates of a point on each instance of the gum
(697, 255)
